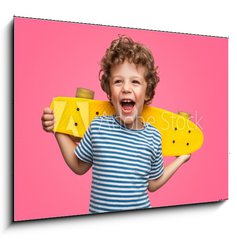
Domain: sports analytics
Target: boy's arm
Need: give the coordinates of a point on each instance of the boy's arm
(66, 144)
(67, 147)
(168, 173)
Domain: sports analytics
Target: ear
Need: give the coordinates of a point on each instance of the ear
(109, 98)
(146, 98)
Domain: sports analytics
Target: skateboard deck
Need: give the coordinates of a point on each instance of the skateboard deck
(179, 134)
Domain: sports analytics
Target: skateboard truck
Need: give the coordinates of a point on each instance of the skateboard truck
(185, 114)
(84, 93)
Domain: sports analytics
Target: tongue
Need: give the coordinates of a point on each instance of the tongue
(128, 106)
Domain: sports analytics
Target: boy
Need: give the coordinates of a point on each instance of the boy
(125, 153)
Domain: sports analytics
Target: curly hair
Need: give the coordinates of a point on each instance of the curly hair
(124, 48)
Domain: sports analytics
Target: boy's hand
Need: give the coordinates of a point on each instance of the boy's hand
(184, 158)
(48, 120)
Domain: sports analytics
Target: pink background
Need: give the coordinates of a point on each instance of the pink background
(53, 58)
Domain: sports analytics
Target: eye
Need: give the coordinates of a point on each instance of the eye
(135, 81)
(117, 81)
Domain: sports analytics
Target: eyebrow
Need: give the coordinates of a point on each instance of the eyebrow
(134, 76)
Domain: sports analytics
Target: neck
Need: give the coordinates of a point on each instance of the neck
(137, 124)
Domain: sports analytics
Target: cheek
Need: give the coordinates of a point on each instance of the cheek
(114, 93)
(114, 96)
(142, 92)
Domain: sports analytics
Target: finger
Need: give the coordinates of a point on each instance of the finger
(49, 129)
(47, 117)
(48, 123)
(47, 110)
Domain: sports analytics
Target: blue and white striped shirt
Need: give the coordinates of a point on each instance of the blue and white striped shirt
(123, 161)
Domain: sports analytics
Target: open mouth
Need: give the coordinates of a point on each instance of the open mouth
(127, 105)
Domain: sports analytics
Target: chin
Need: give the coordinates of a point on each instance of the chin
(128, 120)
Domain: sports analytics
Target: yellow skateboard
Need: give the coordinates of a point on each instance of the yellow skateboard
(179, 134)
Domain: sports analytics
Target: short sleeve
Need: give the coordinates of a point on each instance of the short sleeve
(157, 164)
(84, 149)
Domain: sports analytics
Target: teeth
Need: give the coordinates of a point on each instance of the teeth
(126, 100)
(127, 103)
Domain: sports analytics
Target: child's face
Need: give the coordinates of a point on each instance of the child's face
(128, 93)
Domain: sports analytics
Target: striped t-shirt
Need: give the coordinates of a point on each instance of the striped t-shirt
(123, 161)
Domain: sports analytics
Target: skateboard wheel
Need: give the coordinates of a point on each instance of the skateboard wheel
(84, 93)
(185, 114)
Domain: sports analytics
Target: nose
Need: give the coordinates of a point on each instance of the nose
(126, 87)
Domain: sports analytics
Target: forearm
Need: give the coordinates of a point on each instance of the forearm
(168, 173)
(67, 147)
